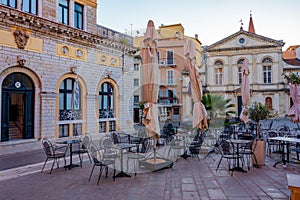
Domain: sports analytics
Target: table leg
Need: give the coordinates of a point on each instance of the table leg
(237, 167)
(122, 173)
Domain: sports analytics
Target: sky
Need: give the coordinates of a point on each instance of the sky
(212, 20)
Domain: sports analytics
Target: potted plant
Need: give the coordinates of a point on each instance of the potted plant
(257, 112)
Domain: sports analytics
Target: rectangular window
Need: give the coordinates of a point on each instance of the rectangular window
(77, 129)
(112, 126)
(240, 75)
(136, 99)
(30, 6)
(170, 77)
(170, 57)
(63, 130)
(219, 76)
(102, 127)
(267, 74)
(78, 16)
(10, 3)
(158, 57)
(136, 67)
(63, 12)
(136, 82)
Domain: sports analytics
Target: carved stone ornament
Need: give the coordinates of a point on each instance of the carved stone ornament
(21, 38)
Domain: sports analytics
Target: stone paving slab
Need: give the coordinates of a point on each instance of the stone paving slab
(187, 179)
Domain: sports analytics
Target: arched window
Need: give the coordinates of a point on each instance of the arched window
(267, 70)
(268, 102)
(106, 108)
(69, 107)
(219, 72)
(240, 71)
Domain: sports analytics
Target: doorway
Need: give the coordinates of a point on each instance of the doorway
(17, 107)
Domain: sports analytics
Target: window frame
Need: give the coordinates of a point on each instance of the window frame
(240, 71)
(170, 77)
(78, 14)
(219, 72)
(30, 6)
(267, 70)
(61, 12)
(8, 3)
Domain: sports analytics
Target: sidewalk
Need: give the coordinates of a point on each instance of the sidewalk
(187, 179)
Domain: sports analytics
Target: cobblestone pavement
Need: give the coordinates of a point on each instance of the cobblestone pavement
(187, 179)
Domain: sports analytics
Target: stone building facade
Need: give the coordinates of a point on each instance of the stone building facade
(61, 74)
(175, 103)
(223, 74)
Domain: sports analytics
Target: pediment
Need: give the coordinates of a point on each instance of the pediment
(244, 40)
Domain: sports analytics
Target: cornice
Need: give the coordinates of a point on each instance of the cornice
(242, 48)
(277, 43)
(23, 20)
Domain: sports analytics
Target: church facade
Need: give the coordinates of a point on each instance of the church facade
(222, 73)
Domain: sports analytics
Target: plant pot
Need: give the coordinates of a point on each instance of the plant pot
(259, 151)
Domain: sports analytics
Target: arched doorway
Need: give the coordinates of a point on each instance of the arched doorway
(17, 107)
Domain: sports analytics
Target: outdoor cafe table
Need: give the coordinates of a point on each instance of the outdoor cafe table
(185, 137)
(70, 143)
(238, 142)
(285, 142)
(122, 147)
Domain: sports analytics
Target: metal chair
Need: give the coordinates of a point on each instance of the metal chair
(53, 152)
(86, 140)
(100, 161)
(227, 152)
(248, 151)
(138, 155)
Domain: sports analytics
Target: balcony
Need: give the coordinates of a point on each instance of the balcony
(106, 113)
(168, 100)
(167, 62)
(69, 115)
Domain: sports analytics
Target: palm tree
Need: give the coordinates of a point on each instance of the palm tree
(217, 106)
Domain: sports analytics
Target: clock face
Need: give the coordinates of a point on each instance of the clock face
(242, 40)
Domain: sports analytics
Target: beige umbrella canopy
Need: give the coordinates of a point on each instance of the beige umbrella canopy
(245, 92)
(150, 81)
(199, 111)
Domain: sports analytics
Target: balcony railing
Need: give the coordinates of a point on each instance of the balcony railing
(69, 115)
(167, 62)
(168, 100)
(106, 113)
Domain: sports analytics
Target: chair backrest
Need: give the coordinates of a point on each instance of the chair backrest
(86, 140)
(225, 147)
(283, 130)
(48, 147)
(272, 134)
(145, 145)
(116, 137)
(94, 152)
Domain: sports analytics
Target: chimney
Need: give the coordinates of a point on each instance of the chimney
(196, 36)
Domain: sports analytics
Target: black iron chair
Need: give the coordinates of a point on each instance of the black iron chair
(85, 141)
(100, 161)
(247, 151)
(53, 152)
(272, 145)
(195, 145)
(139, 154)
(227, 152)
